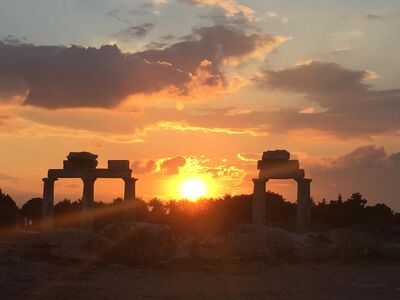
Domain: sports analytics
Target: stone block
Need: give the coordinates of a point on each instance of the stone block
(285, 165)
(81, 156)
(81, 160)
(80, 164)
(276, 154)
(118, 164)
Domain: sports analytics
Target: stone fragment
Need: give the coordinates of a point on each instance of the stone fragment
(276, 154)
(279, 173)
(263, 242)
(76, 244)
(139, 243)
(80, 160)
(81, 156)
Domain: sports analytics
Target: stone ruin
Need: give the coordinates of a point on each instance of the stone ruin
(278, 165)
(83, 165)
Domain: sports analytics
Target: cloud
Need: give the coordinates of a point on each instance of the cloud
(4, 118)
(171, 166)
(166, 166)
(249, 157)
(133, 32)
(6, 177)
(60, 77)
(231, 7)
(349, 106)
(167, 37)
(315, 78)
(143, 167)
(367, 169)
(375, 17)
(155, 45)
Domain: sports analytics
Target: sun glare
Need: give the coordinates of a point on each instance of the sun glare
(193, 189)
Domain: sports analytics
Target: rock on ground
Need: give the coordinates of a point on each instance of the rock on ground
(139, 243)
(76, 244)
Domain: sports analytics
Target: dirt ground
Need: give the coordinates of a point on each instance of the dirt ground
(55, 280)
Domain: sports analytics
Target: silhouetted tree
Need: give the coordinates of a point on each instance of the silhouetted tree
(8, 211)
(31, 211)
(67, 213)
(353, 211)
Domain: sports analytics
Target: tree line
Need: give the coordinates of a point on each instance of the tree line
(202, 216)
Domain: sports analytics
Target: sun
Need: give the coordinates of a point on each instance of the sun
(193, 189)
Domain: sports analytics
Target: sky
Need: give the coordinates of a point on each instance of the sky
(198, 89)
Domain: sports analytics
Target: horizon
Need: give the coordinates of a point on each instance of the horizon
(202, 98)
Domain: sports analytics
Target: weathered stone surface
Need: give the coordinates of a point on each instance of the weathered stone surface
(214, 247)
(277, 169)
(276, 154)
(139, 243)
(118, 164)
(81, 156)
(252, 241)
(351, 243)
(80, 160)
(76, 244)
(278, 163)
(312, 248)
(281, 174)
(15, 251)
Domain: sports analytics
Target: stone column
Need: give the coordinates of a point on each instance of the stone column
(303, 205)
(48, 203)
(259, 207)
(130, 190)
(87, 202)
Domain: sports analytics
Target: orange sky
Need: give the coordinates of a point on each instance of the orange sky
(202, 99)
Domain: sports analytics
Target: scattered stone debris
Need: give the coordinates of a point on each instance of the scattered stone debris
(76, 244)
(139, 243)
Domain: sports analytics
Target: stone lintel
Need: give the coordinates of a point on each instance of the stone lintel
(96, 173)
(278, 164)
(282, 174)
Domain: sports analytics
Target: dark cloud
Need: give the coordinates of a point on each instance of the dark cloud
(143, 167)
(321, 80)
(167, 166)
(214, 44)
(368, 169)
(350, 107)
(362, 158)
(60, 77)
(56, 77)
(167, 37)
(395, 157)
(171, 166)
(155, 45)
(375, 17)
(134, 32)
(13, 40)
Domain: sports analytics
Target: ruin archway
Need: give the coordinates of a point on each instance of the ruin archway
(83, 165)
(278, 165)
